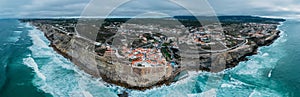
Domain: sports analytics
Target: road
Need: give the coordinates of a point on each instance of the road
(76, 35)
(209, 51)
(224, 50)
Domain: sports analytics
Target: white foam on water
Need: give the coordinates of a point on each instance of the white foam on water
(18, 32)
(62, 78)
(13, 39)
(36, 37)
(254, 73)
(265, 92)
(250, 67)
(181, 88)
(87, 94)
(257, 67)
(226, 85)
(270, 73)
(265, 54)
(252, 70)
(191, 75)
(40, 46)
(235, 83)
(27, 25)
(266, 58)
(16, 35)
(31, 63)
(255, 94)
(209, 93)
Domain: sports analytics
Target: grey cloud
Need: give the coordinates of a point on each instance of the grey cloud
(41, 8)
(58, 8)
(257, 7)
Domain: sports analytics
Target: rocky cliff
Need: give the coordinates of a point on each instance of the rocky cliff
(81, 52)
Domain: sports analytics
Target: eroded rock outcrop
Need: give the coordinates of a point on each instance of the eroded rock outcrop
(81, 52)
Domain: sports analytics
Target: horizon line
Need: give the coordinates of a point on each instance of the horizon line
(102, 17)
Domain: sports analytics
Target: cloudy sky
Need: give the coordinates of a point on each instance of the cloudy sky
(62, 8)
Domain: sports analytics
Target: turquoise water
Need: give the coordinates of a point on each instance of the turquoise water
(30, 68)
(16, 78)
(287, 69)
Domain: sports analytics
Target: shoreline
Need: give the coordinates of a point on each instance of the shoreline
(166, 82)
(231, 64)
(256, 48)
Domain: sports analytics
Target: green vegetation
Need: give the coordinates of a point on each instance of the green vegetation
(166, 53)
(140, 65)
(166, 44)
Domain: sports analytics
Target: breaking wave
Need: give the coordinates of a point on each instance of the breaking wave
(31, 63)
(7, 42)
(15, 36)
(250, 78)
(58, 76)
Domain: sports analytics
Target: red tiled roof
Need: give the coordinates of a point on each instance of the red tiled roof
(139, 55)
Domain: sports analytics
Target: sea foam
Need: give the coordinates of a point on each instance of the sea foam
(61, 78)
(40, 46)
(31, 63)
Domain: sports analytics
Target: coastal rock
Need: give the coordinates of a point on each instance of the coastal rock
(81, 52)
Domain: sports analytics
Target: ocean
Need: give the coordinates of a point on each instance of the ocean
(30, 68)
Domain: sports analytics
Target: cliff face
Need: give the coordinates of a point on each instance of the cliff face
(231, 58)
(216, 62)
(267, 40)
(81, 52)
